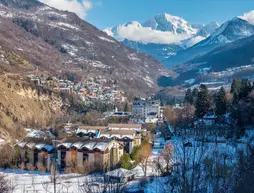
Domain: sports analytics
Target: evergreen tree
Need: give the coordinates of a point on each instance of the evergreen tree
(235, 86)
(235, 98)
(203, 101)
(126, 107)
(195, 92)
(125, 161)
(245, 89)
(188, 97)
(221, 102)
(194, 95)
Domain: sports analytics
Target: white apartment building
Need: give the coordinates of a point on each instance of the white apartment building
(144, 108)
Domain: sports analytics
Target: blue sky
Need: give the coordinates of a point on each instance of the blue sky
(108, 13)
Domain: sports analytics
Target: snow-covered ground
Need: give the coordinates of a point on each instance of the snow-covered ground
(35, 182)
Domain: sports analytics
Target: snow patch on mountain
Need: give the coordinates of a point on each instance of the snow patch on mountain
(6, 14)
(71, 50)
(133, 57)
(67, 25)
(106, 39)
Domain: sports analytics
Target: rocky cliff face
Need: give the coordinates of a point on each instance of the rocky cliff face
(24, 106)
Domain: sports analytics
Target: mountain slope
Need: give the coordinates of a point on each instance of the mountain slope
(22, 105)
(230, 31)
(232, 59)
(79, 47)
(159, 51)
(238, 53)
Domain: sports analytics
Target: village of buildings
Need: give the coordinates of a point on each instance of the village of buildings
(88, 90)
(99, 146)
(87, 149)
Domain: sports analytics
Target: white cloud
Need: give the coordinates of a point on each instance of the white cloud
(109, 32)
(80, 8)
(148, 35)
(248, 17)
(191, 41)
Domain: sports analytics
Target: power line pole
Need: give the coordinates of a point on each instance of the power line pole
(54, 161)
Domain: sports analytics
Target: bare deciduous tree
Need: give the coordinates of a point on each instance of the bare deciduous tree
(169, 115)
(143, 155)
(4, 184)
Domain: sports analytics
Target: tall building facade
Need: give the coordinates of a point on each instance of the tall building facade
(144, 108)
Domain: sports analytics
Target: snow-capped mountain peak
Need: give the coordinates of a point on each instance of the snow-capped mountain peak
(169, 23)
(133, 23)
(229, 31)
(211, 27)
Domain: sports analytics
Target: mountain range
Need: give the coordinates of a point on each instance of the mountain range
(32, 30)
(180, 41)
(162, 36)
(189, 48)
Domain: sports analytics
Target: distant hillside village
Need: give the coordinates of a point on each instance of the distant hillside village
(89, 90)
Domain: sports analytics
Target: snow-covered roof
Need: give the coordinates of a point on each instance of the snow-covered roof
(78, 145)
(22, 144)
(102, 145)
(31, 145)
(39, 146)
(125, 126)
(89, 145)
(118, 133)
(88, 129)
(66, 145)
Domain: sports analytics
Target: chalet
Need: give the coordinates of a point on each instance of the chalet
(36, 150)
(101, 154)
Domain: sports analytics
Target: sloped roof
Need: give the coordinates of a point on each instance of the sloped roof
(86, 127)
(78, 145)
(125, 125)
(117, 133)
